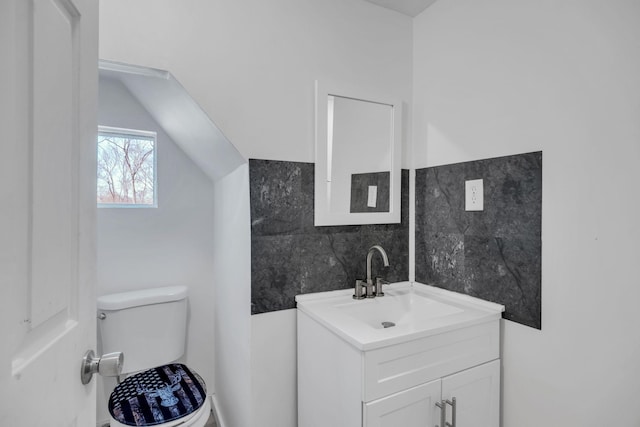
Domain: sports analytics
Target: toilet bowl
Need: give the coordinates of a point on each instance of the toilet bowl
(149, 327)
(196, 419)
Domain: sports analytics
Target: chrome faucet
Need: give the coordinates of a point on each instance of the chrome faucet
(367, 289)
(385, 259)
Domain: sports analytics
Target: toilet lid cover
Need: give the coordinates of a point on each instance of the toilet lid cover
(157, 396)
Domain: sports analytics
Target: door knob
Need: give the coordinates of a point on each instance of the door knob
(109, 365)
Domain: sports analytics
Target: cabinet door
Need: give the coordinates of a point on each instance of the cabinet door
(415, 407)
(477, 393)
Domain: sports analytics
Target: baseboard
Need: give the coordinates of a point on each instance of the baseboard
(214, 406)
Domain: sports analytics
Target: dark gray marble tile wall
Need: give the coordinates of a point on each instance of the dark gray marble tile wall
(360, 183)
(290, 256)
(494, 254)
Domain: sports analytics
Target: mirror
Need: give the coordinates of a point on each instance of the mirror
(358, 153)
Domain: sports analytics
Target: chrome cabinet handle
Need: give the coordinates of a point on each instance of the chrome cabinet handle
(452, 402)
(443, 413)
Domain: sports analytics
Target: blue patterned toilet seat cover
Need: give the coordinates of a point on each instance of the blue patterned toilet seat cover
(159, 395)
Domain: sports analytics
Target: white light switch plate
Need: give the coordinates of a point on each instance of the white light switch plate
(372, 201)
(474, 195)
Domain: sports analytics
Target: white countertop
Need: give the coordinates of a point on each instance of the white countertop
(417, 310)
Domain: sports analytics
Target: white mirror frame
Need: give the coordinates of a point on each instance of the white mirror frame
(322, 212)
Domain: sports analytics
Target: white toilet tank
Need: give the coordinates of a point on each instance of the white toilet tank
(149, 326)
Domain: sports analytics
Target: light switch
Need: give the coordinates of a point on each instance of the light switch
(372, 200)
(474, 195)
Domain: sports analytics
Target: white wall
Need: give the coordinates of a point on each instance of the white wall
(501, 77)
(274, 352)
(251, 66)
(168, 245)
(232, 299)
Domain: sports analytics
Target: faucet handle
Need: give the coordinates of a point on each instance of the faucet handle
(359, 290)
(379, 282)
(371, 289)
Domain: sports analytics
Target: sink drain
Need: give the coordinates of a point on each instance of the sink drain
(388, 324)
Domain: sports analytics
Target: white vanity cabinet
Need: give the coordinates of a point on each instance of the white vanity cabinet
(399, 384)
(415, 407)
(476, 392)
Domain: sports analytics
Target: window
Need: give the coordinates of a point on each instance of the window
(126, 168)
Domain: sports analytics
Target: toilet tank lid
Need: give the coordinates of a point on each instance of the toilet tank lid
(137, 298)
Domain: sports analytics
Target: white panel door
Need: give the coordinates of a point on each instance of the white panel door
(415, 407)
(48, 102)
(477, 393)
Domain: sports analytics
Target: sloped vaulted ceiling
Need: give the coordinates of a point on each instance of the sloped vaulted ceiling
(179, 115)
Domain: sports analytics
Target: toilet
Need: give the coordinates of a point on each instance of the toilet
(149, 326)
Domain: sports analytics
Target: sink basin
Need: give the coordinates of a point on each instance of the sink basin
(401, 307)
(407, 311)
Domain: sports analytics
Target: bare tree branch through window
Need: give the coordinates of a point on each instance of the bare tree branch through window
(126, 174)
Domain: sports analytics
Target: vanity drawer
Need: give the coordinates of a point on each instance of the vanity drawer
(391, 369)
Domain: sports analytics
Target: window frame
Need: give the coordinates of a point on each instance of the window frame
(131, 133)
